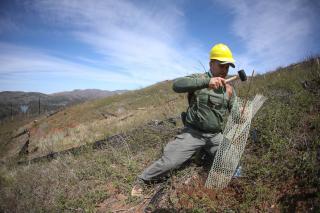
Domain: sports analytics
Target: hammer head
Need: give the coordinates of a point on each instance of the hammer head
(242, 75)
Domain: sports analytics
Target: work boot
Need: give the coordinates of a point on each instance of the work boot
(138, 188)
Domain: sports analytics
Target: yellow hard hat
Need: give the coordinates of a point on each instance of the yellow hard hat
(222, 53)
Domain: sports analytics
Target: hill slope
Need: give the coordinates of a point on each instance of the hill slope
(280, 164)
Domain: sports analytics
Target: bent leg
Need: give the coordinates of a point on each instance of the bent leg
(213, 143)
(211, 149)
(175, 154)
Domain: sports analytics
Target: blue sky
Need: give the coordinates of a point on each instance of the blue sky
(58, 45)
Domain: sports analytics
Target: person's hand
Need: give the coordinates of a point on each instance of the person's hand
(217, 82)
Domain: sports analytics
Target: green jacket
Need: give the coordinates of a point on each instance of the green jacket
(207, 107)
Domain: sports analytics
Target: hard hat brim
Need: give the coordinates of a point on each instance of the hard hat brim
(227, 62)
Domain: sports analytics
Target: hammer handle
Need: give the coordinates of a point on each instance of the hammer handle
(232, 79)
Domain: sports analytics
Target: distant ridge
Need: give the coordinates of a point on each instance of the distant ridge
(48, 102)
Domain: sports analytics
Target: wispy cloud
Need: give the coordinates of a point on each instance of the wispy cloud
(139, 43)
(274, 32)
(142, 38)
(22, 62)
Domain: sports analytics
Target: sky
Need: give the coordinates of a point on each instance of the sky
(60, 45)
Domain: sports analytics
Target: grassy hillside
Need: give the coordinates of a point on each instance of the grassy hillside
(95, 120)
(281, 165)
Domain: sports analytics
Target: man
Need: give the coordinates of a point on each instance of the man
(209, 99)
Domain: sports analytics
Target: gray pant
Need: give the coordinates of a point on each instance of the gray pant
(180, 150)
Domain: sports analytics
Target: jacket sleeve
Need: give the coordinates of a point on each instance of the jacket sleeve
(190, 83)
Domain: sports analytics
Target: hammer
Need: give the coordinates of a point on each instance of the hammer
(241, 74)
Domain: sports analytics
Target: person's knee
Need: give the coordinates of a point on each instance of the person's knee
(212, 152)
(172, 162)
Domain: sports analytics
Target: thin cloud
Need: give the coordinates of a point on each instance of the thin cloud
(137, 43)
(274, 32)
(141, 39)
(19, 62)
(140, 43)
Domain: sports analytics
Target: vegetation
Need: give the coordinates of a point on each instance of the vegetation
(281, 163)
